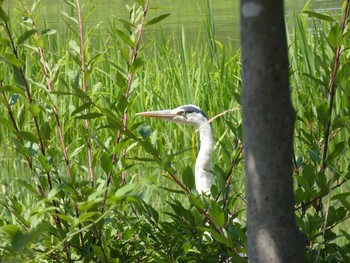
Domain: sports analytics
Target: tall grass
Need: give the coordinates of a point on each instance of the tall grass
(143, 206)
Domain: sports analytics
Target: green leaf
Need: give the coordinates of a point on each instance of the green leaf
(302, 181)
(18, 76)
(217, 216)
(141, 2)
(9, 230)
(48, 31)
(100, 254)
(89, 116)
(136, 64)
(28, 136)
(127, 40)
(315, 155)
(309, 174)
(11, 59)
(25, 36)
(8, 124)
(335, 36)
(220, 238)
(81, 108)
(20, 147)
(127, 234)
(13, 89)
(157, 19)
(148, 147)
(110, 115)
(45, 130)
(3, 16)
(125, 189)
(338, 149)
(126, 24)
(34, 109)
(73, 19)
(45, 164)
(188, 177)
(323, 114)
(28, 186)
(106, 163)
(22, 116)
(321, 181)
(319, 16)
(196, 202)
(316, 80)
(342, 197)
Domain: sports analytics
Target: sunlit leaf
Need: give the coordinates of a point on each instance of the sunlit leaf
(323, 114)
(127, 40)
(196, 202)
(28, 136)
(11, 59)
(25, 36)
(318, 16)
(157, 19)
(48, 31)
(89, 116)
(3, 16)
(8, 124)
(136, 64)
(335, 36)
(106, 163)
(73, 19)
(13, 89)
(125, 189)
(34, 109)
(141, 2)
(81, 108)
(220, 238)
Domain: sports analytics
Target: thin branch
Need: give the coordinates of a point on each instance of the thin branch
(217, 116)
(42, 147)
(333, 89)
(304, 205)
(331, 99)
(229, 176)
(86, 122)
(327, 210)
(29, 97)
(55, 110)
(133, 55)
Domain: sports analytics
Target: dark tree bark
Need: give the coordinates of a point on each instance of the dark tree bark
(268, 124)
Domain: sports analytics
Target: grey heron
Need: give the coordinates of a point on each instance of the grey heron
(193, 115)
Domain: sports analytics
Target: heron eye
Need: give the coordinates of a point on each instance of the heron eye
(182, 113)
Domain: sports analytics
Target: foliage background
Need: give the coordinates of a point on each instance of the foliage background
(116, 194)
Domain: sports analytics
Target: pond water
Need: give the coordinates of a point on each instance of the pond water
(186, 15)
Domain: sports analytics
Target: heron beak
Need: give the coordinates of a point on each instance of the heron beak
(167, 115)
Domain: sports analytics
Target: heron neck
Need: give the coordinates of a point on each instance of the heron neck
(203, 174)
(206, 141)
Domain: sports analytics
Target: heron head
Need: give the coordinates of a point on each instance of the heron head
(187, 114)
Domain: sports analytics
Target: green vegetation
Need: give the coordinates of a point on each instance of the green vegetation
(106, 189)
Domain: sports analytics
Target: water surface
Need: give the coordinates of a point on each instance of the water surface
(186, 15)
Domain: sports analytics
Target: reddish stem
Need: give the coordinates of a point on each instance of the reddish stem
(86, 122)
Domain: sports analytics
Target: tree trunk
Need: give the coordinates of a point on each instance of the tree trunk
(268, 123)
